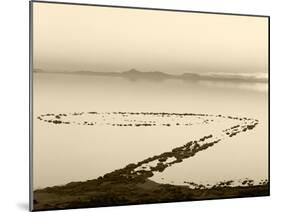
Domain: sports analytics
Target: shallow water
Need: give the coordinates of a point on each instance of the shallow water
(65, 153)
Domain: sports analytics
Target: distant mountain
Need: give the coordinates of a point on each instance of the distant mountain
(134, 74)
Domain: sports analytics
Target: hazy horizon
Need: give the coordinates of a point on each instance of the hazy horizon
(147, 71)
(171, 106)
(147, 40)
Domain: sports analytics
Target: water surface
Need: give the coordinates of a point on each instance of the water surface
(65, 153)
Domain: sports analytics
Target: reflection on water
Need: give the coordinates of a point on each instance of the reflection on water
(65, 153)
(262, 87)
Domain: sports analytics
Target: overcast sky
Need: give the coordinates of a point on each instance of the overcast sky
(72, 38)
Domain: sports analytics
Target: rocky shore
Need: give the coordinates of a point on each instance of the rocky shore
(109, 192)
(131, 184)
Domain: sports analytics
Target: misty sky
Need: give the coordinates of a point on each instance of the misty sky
(73, 38)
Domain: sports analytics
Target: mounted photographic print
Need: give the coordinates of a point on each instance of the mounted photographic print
(137, 105)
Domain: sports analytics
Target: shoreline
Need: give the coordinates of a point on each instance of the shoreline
(96, 193)
(131, 184)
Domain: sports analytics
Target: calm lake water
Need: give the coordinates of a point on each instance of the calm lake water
(66, 153)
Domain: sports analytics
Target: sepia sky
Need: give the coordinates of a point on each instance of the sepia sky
(73, 38)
